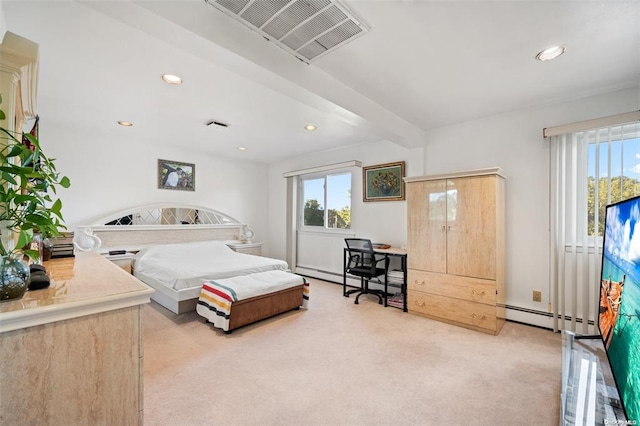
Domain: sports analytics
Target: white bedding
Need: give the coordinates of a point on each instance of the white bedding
(188, 265)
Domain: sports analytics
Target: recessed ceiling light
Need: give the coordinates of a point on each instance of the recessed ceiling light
(310, 127)
(125, 123)
(550, 53)
(171, 79)
(242, 148)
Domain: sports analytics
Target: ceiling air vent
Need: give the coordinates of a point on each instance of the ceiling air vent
(308, 29)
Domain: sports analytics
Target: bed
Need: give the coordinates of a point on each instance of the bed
(175, 248)
(183, 266)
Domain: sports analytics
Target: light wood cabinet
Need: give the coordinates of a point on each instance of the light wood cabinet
(72, 353)
(456, 248)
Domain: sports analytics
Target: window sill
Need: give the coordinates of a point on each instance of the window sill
(327, 232)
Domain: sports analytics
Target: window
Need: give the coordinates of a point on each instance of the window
(613, 167)
(326, 201)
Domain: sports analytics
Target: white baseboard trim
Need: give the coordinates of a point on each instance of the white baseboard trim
(324, 275)
(334, 277)
(513, 313)
(530, 318)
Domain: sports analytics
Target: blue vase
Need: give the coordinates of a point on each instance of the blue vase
(14, 278)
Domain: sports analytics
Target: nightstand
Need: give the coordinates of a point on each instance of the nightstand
(122, 260)
(247, 248)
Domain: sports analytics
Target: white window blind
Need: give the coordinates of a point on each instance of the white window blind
(589, 169)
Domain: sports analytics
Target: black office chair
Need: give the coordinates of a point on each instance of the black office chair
(363, 262)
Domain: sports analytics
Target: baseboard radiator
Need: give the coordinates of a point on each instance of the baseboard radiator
(334, 277)
(514, 313)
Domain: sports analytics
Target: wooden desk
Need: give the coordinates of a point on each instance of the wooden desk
(402, 255)
(72, 353)
(392, 251)
(389, 252)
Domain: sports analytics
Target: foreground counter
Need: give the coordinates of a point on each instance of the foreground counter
(72, 353)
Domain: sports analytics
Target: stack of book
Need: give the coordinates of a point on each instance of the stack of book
(395, 278)
(62, 245)
(397, 300)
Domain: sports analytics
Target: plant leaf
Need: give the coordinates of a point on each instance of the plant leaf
(23, 238)
(37, 219)
(33, 254)
(56, 207)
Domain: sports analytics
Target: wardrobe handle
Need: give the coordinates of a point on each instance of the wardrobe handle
(416, 282)
(483, 317)
(477, 293)
(420, 304)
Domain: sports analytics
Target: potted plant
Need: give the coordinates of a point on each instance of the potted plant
(27, 180)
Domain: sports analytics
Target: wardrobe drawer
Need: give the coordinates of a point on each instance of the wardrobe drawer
(465, 288)
(452, 310)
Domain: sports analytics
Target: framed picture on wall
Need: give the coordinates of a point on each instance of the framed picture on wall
(383, 182)
(176, 175)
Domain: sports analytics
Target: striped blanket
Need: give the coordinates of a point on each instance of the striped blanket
(217, 297)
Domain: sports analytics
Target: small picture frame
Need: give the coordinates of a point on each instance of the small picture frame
(176, 175)
(383, 182)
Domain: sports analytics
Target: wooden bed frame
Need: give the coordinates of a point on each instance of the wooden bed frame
(165, 223)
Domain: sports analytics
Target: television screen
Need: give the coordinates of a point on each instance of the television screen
(619, 313)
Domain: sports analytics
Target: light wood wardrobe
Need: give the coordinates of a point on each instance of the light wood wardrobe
(456, 248)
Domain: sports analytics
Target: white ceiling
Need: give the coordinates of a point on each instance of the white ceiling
(422, 65)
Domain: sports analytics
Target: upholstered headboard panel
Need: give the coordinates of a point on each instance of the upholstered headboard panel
(165, 223)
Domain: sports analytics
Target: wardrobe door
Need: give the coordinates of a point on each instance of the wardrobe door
(471, 228)
(426, 221)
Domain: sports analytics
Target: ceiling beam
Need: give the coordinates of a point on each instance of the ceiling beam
(204, 31)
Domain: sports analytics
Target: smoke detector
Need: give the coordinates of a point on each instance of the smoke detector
(308, 29)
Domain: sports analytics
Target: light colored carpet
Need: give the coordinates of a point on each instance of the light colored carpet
(344, 364)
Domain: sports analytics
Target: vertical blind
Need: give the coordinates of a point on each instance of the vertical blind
(588, 169)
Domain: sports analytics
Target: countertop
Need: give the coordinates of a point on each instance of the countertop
(81, 285)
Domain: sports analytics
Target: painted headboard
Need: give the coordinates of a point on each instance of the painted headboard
(163, 223)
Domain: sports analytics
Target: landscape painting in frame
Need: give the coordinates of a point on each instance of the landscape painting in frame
(176, 175)
(383, 182)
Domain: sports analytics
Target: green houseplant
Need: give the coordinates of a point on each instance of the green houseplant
(27, 179)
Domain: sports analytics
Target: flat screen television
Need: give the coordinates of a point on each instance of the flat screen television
(619, 302)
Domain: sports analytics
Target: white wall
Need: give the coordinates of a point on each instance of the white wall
(379, 221)
(514, 142)
(115, 171)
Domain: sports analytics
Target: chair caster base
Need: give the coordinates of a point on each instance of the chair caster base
(357, 302)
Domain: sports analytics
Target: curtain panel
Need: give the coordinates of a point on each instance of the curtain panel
(588, 169)
(574, 263)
